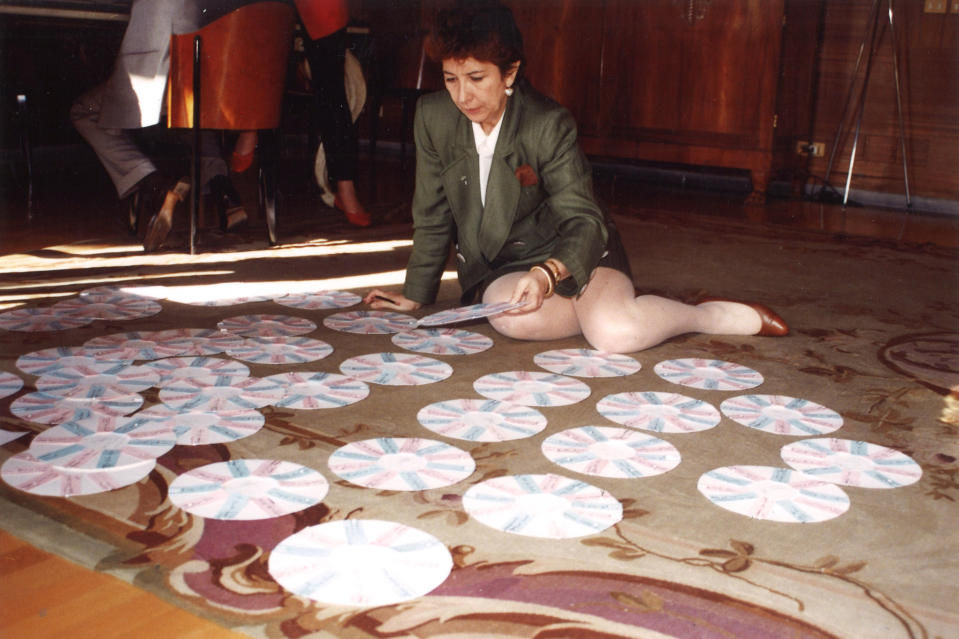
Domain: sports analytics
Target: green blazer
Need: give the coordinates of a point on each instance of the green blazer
(539, 199)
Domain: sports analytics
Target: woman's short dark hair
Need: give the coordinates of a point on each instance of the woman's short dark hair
(475, 29)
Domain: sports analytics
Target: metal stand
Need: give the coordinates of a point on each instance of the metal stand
(872, 34)
(195, 169)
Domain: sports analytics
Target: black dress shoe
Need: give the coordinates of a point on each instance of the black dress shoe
(772, 324)
(229, 206)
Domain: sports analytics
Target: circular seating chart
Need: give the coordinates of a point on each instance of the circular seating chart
(370, 322)
(585, 362)
(199, 342)
(708, 374)
(776, 494)
(303, 390)
(550, 506)
(396, 369)
(9, 384)
(481, 420)
(442, 341)
(466, 313)
(50, 359)
(781, 414)
(659, 412)
(25, 472)
(176, 368)
(266, 325)
(221, 392)
(120, 307)
(319, 301)
(610, 452)
(135, 346)
(110, 443)
(40, 319)
(280, 350)
(245, 489)
(197, 427)
(44, 408)
(852, 463)
(360, 562)
(401, 463)
(532, 388)
(114, 380)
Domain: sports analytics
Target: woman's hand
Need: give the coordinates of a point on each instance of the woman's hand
(378, 299)
(530, 288)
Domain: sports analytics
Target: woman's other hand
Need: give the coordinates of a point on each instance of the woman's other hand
(378, 299)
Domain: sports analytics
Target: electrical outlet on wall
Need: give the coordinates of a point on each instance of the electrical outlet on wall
(935, 6)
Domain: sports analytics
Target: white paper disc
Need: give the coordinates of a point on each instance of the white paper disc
(396, 369)
(45, 408)
(266, 325)
(50, 359)
(659, 412)
(550, 506)
(708, 374)
(370, 322)
(471, 312)
(118, 308)
(39, 320)
(776, 494)
(221, 392)
(442, 341)
(481, 420)
(781, 415)
(401, 463)
(852, 463)
(585, 362)
(319, 301)
(246, 489)
(532, 388)
(25, 472)
(198, 428)
(307, 391)
(9, 384)
(102, 443)
(610, 452)
(198, 342)
(360, 562)
(115, 380)
(280, 350)
(134, 345)
(176, 368)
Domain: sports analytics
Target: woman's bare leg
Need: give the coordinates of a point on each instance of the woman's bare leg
(613, 320)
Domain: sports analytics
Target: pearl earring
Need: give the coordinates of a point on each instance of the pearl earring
(509, 91)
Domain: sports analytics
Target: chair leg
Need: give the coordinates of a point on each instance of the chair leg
(269, 151)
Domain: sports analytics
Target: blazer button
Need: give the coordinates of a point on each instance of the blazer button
(518, 243)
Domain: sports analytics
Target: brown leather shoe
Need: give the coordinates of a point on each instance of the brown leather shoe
(772, 324)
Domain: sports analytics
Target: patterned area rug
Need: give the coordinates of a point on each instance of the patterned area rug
(382, 518)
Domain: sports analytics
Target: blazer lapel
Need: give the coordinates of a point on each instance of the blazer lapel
(503, 189)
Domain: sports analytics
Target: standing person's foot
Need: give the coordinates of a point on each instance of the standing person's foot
(162, 221)
(356, 217)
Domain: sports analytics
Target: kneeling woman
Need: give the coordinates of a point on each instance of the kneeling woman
(500, 175)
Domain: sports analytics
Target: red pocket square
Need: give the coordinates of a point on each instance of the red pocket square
(526, 175)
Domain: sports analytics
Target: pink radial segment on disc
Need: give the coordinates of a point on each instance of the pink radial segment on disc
(776, 494)
(396, 369)
(50, 359)
(708, 374)
(585, 362)
(176, 368)
(25, 472)
(319, 301)
(360, 562)
(9, 384)
(40, 320)
(852, 463)
(532, 388)
(610, 452)
(442, 341)
(221, 392)
(549, 506)
(401, 463)
(114, 379)
(659, 412)
(781, 415)
(118, 308)
(198, 342)
(266, 325)
(280, 350)
(247, 489)
(305, 390)
(199, 427)
(481, 420)
(45, 408)
(102, 443)
(370, 322)
(133, 345)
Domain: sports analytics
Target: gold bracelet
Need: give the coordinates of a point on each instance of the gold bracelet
(550, 279)
(551, 265)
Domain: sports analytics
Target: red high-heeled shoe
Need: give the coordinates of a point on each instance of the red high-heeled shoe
(772, 324)
(356, 218)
